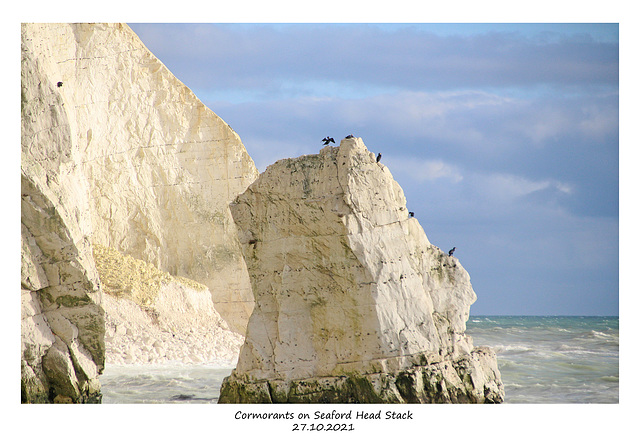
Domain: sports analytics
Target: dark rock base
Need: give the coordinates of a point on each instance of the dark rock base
(473, 379)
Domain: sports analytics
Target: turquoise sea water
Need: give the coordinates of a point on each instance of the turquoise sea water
(541, 359)
(553, 359)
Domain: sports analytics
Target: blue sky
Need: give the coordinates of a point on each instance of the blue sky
(504, 137)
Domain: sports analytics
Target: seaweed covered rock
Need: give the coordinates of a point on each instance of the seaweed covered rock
(353, 304)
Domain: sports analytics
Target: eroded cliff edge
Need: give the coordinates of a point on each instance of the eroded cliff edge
(116, 152)
(353, 304)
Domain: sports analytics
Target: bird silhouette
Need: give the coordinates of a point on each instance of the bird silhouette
(327, 140)
(451, 251)
(411, 213)
(379, 157)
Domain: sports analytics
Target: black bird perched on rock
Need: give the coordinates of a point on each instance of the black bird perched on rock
(327, 140)
(59, 84)
(451, 251)
(379, 157)
(349, 136)
(411, 213)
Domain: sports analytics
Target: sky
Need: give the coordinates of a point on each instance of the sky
(504, 137)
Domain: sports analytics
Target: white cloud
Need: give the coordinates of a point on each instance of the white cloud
(424, 170)
(507, 187)
(266, 151)
(223, 56)
(598, 121)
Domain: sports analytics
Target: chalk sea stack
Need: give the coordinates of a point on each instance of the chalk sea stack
(353, 304)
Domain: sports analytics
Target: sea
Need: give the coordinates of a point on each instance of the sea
(542, 360)
(551, 359)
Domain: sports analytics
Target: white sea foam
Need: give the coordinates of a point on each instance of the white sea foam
(599, 334)
(171, 382)
(539, 364)
(512, 348)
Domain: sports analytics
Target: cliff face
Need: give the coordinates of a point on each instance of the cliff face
(353, 304)
(62, 320)
(115, 152)
(161, 167)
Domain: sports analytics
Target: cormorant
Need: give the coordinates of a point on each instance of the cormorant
(327, 140)
(411, 213)
(379, 157)
(451, 251)
(59, 84)
(349, 137)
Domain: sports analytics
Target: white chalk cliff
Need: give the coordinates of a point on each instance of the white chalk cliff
(353, 304)
(116, 152)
